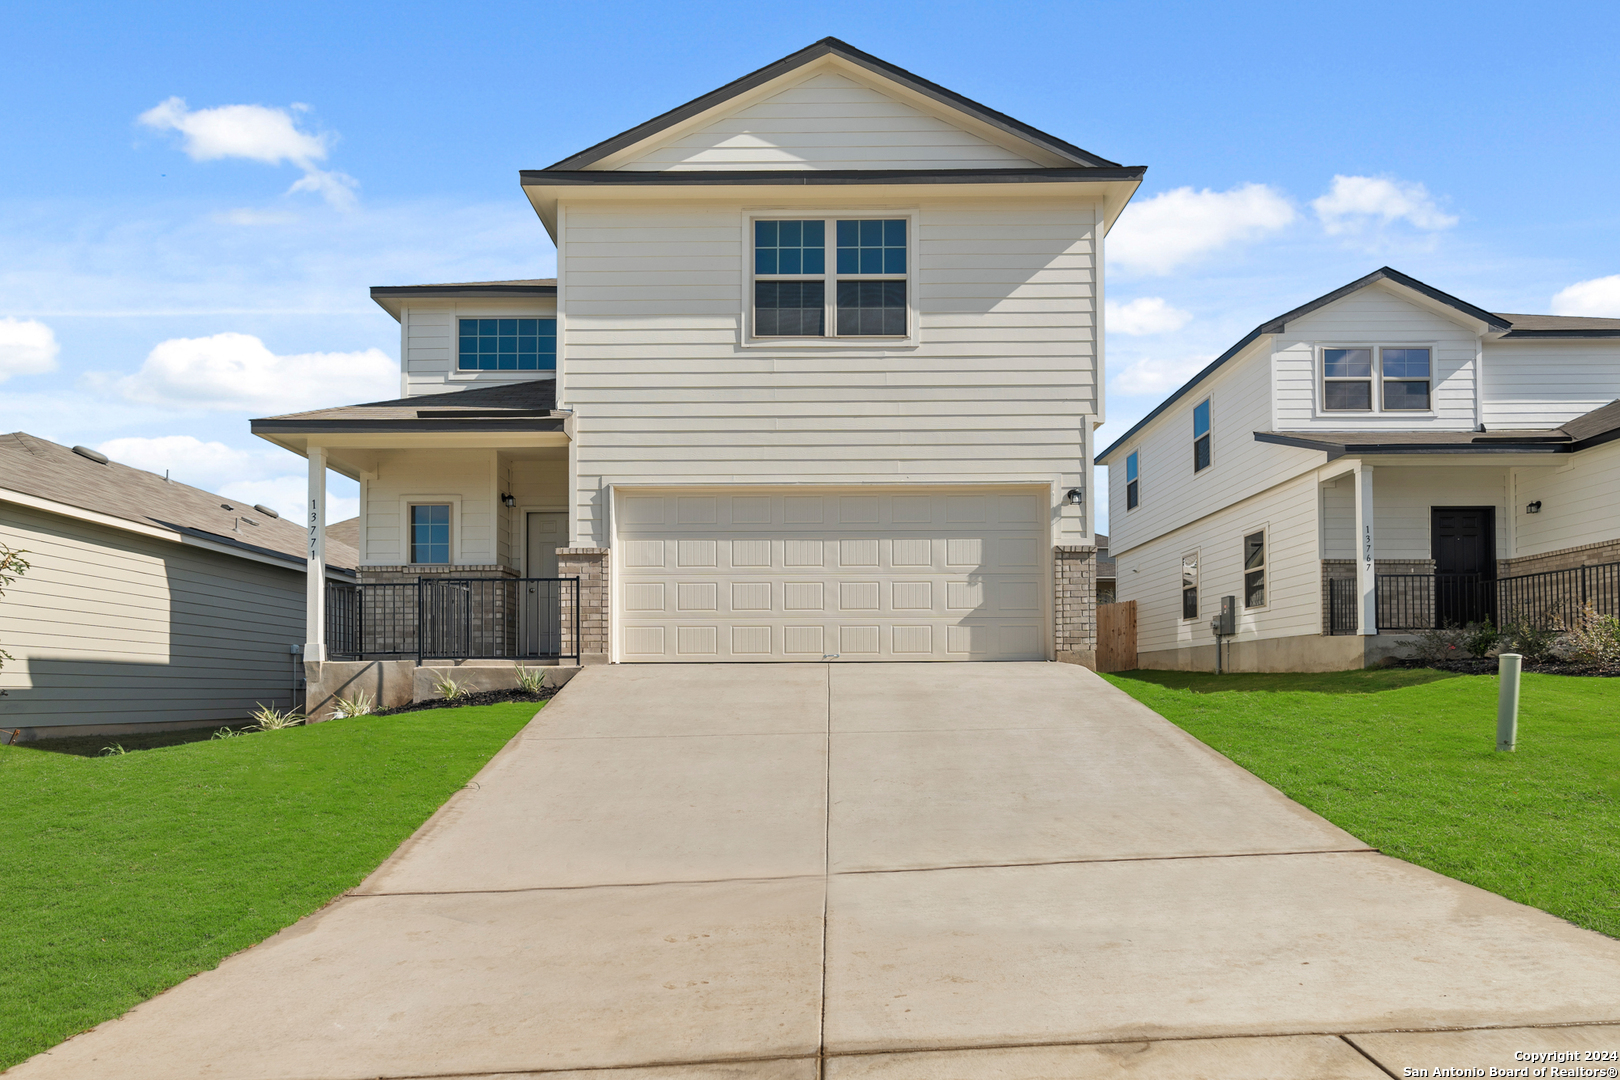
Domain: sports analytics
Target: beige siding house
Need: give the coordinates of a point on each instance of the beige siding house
(817, 379)
(1382, 460)
(148, 604)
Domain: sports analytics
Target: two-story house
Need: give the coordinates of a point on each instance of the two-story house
(817, 379)
(1382, 460)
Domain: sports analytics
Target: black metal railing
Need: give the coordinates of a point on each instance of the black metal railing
(1343, 602)
(1414, 602)
(454, 619)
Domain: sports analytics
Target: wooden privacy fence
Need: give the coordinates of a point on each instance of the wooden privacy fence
(1116, 636)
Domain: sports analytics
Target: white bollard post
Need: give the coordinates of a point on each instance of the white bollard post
(1507, 700)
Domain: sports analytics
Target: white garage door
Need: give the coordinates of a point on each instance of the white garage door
(791, 575)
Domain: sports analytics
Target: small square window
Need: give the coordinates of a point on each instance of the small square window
(872, 247)
(872, 308)
(790, 247)
(430, 533)
(1132, 492)
(790, 308)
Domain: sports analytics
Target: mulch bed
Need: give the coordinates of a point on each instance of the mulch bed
(1487, 666)
(481, 697)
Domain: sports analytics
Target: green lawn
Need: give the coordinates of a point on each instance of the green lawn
(1406, 760)
(121, 876)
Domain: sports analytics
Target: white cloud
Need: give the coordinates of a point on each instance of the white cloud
(1599, 298)
(1153, 376)
(1355, 201)
(286, 495)
(1168, 230)
(1145, 315)
(27, 347)
(257, 133)
(237, 372)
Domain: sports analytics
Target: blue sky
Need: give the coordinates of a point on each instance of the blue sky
(152, 299)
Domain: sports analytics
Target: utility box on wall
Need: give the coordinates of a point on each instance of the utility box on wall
(1225, 624)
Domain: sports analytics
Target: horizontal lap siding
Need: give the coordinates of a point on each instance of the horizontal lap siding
(828, 121)
(1579, 506)
(1403, 498)
(1151, 573)
(468, 474)
(998, 390)
(1375, 316)
(1541, 384)
(109, 627)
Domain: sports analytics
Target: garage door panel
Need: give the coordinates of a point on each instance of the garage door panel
(794, 576)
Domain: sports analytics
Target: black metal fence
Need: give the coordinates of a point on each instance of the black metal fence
(1413, 602)
(453, 619)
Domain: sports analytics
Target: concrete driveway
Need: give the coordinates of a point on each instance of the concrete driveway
(886, 872)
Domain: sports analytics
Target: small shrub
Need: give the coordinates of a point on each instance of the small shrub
(448, 688)
(1594, 639)
(1531, 641)
(530, 680)
(115, 750)
(1481, 637)
(358, 704)
(1434, 646)
(225, 733)
(270, 718)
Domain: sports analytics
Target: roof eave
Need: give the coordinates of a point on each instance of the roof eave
(389, 297)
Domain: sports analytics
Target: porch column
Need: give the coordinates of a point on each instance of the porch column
(315, 567)
(1366, 577)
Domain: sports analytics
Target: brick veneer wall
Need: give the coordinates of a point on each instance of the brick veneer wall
(1345, 569)
(1567, 559)
(393, 575)
(590, 565)
(1074, 607)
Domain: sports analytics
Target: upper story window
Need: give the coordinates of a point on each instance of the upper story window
(430, 533)
(863, 292)
(1254, 569)
(507, 345)
(1133, 494)
(1347, 379)
(1201, 436)
(1406, 379)
(1405, 376)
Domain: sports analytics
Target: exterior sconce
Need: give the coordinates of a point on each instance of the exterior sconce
(1075, 497)
(1533, 508)
(507, 500)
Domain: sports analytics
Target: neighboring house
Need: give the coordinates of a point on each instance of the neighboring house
(148, 604)
(1382, 460)
(817, 379)
(1105, 571)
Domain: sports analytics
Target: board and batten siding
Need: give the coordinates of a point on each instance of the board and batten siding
(469, 478)
(1543, 383)
(1172, 494)
(428, 343)
(999, 389)
(827, 121)
(1375, 316)
(1150, 573)
(1578, 502)
(111, 627)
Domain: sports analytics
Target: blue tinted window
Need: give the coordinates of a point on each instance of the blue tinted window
(430, 533)
(790, 247)
(507, 345)
(1130, 467)
(1406, 363)
(872, 247)
(1201, 420)
(1347, 363)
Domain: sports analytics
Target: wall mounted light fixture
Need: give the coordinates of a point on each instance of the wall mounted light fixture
(1076, 496)
(1533, 508)
(507, 500)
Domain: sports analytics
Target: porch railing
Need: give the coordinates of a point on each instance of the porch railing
(1414, 602)
(453, 619)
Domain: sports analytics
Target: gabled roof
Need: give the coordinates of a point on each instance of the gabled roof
(830, 46)
(1494, 323)
(31, 466)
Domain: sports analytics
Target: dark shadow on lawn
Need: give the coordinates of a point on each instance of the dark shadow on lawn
(94, 745)
(1369, 681)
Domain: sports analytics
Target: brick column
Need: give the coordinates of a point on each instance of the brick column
(590, 565)
(1074, 605)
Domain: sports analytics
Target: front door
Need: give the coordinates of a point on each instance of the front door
(547, 532)
(1463, 540)
(542, 600)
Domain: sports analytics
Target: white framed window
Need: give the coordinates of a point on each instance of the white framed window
(832, 279)
(1133, 493)
(431, 533)
(1347, 379)
(1407, 378)
(1201, 436)
(1254, 569)
(1189, 585)
(500, 344)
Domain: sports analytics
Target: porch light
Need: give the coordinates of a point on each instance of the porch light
(1533, 508)
(1076, 496)
(507, 500)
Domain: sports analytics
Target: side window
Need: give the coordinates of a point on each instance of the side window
(507, 345)
(1347, 379)
(1406, 379)
(1201, 436)
(430, 533)
(1254, 570)
(1133, 494)
(1189, 586)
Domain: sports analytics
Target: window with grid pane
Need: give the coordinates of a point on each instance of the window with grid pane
(507, 345)
(1254, 570)
(1406, 379)
(861, 289)
(1347, 379)
(430, 533)
(872, 308)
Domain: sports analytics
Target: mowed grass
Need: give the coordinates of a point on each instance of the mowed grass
(1406, 760)
(121, 876)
